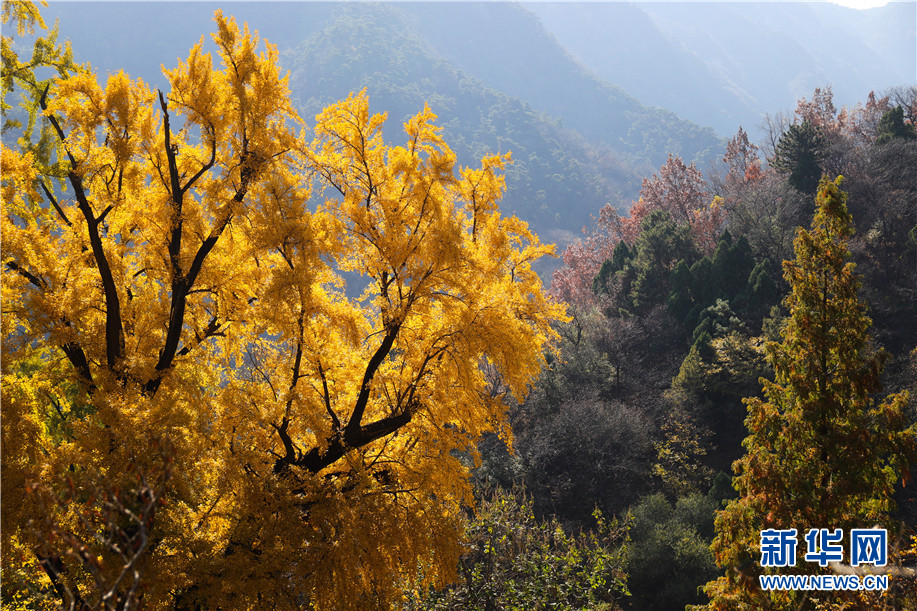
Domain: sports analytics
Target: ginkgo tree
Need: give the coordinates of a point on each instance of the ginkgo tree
(245, 364)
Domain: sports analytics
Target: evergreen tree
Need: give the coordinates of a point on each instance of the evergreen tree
(733, 261)
(680, 294)
(761, 292)
(662, 243)
(621, 256)
(892, 126)
(821, 451)
(799, 153)
(725, 275)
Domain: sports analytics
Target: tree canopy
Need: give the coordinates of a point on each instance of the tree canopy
(799, 153)
(892, 126)
(822, 451)
(245, 356)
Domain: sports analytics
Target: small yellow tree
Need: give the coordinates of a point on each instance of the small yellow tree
(204, 412)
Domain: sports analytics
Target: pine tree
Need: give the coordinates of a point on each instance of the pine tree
(892, 126)
(661, 244)
(821, 451)
(800, 153)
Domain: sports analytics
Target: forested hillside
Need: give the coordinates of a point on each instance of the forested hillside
(685, 306)
(535, 68)
(585, 91)
(577, 142)
(376, 47)
(305, 319)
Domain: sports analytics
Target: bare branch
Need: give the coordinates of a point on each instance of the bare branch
(212, 330)
(327, 396)
(353, 425)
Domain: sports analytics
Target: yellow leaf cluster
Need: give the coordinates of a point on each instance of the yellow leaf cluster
(311, 325)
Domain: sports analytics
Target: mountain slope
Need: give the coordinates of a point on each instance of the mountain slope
(557, 180)
(507, 47)
(728, 63)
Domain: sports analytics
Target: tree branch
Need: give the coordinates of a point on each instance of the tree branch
(38, 281)
(78, 359)
(54, 568)
(315, 459)
(327, 396)
(212, 330)
(54, 203)
(353, 425)
(114, 330)
(182, 283)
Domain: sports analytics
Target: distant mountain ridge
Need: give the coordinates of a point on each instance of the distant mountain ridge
(557, 179)
(534, 67)
(727, 63)
(512, 89)
(564, 87)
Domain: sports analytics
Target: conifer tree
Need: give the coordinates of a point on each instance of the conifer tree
(800, 153)
(822, 452)
(892, 126)
(662, 243)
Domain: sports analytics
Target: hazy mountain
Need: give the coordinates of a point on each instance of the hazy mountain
(501, 44)
(728, 63)
(139, 37)
(507, 47)
(557, 179)
(564, 87)
(490, 96)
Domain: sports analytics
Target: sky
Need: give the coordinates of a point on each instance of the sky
(861, 3)
(856, 4)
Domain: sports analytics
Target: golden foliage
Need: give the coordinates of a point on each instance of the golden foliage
(198, 286)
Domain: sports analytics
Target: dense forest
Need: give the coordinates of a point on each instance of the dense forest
(279, 330)
(688, 313)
